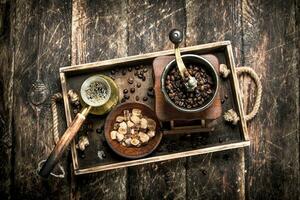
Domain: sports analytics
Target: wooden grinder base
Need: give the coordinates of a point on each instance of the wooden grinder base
(181, 122)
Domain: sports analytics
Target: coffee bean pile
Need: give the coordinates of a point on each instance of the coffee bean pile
(176, 89)
(137, 76)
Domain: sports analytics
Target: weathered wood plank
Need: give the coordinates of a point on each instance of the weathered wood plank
(149, 23)
(216, 175)
(99, 33)
(270, 47)
(41, 44)
(6, 75)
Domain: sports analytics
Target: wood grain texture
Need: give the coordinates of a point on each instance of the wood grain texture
(6, 78)
(99, 33)
(41, 43)
(223, 180)
(270, 48)
(149, 23)
(265, 36)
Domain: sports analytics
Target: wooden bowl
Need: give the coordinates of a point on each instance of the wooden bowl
(132, 152)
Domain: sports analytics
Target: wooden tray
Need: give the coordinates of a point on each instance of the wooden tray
(223, 137)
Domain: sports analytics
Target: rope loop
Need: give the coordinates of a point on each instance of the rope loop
(255, 78)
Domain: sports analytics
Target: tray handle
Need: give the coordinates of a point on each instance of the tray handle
(255, 78)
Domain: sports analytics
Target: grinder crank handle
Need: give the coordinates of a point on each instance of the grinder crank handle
(176, 38)
(63, 143)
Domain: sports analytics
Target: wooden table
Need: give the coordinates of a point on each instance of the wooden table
(40, 36)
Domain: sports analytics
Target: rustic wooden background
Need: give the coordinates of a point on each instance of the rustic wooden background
(37, 37)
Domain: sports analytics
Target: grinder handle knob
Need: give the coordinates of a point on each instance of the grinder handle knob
(176, 36)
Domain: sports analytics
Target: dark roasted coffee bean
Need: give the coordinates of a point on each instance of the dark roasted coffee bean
(129, 69)
(138, 85)
(137, 67)
(113, 72)
(143, 78)
(126, 96)
(222, 101)
(125, 91)
(145, 98)
(186, 73)
(99, 130)
(145, 70)
(130, 80)
(136, 73)
(226, 96)
(82, 154)
(137, 98)
(140, 76)
(150, 93)
(123, 100)
(132, 90)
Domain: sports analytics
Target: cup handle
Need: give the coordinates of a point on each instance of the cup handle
(63, 143)
(254, 76)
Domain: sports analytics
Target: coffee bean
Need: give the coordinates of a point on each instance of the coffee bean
(226, 96)
(99, 130)
(143, 78)
(125, 91)
(123, 100)
(82, 154)
(130, 80)
(126, 96)
(137, 67)
(222, 101)
(129, 69)
(145, 98)
(136, 73)
(150, 93)
(137, 98)
(132, 90)
(145, 70)
(112, 72)
(140, 76)
(138, 85)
